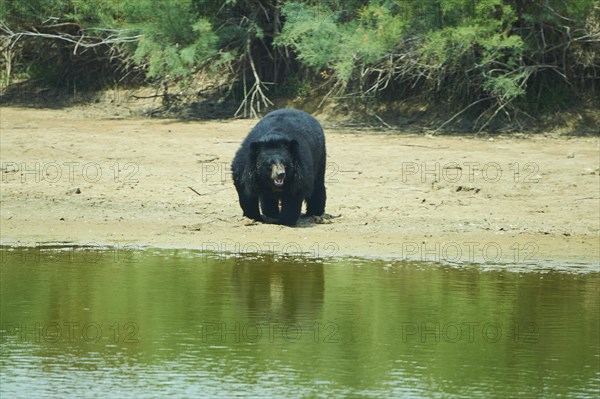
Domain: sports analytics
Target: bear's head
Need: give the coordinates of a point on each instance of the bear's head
(275, 161)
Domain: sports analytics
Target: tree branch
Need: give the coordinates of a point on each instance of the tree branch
(84, 41)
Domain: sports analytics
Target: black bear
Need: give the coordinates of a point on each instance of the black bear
(282, 160)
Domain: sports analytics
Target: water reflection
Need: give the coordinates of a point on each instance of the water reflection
(184, 324)
(285, 291)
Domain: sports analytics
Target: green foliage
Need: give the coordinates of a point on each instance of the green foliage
(504, 54)
(296, 88)
(312, 33)
(448, 43)
(25, 13)
(320, 41)
(176, 41)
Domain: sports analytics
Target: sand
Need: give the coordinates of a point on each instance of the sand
(73, 175)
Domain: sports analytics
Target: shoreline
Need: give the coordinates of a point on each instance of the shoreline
(126, 252)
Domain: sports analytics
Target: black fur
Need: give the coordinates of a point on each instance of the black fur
(296, 140)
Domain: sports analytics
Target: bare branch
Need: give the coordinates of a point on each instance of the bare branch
(254, 97)
(459, 113)
(84, 41)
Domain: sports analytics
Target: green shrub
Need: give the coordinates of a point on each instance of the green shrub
(484, 55)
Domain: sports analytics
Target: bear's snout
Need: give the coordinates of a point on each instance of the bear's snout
(278, 174)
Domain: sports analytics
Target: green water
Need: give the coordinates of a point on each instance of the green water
(125, 323)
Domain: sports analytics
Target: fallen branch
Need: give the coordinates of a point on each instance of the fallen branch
(145, 97)
(84, 41)
(212, 192)
(459, 113)
(382, 121)
(195, 191)
(422, 146)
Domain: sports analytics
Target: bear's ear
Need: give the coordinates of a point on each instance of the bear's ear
(254, 149)
(293, 146)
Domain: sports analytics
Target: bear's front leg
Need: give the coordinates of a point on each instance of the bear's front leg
(291, 206)
(250, 207)
(270, 206)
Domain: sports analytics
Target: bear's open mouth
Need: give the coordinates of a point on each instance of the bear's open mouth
(278, 174)
(278, 181)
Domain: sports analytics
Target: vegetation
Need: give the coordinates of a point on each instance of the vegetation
(489, 59)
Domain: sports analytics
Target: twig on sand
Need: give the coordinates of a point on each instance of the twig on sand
(195, 191)
(212, 192)
(423, 146)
